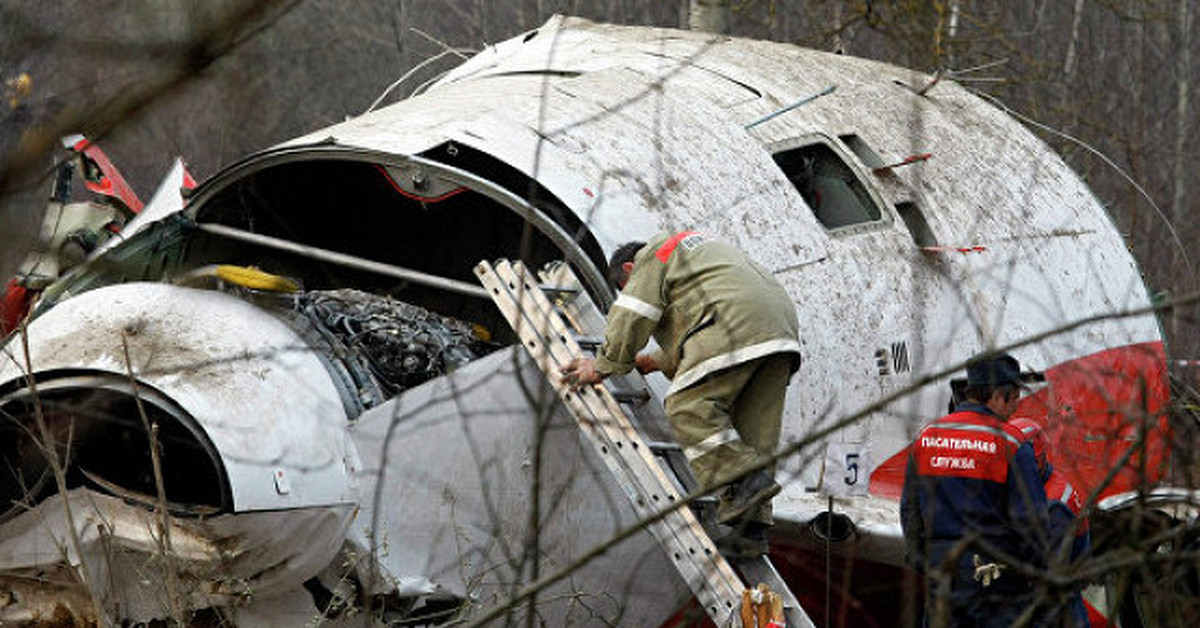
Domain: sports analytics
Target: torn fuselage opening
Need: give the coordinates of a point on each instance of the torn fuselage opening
(407, 215)
(95, 425)
(510, 178)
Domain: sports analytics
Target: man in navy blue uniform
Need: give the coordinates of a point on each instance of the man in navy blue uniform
(974, 507)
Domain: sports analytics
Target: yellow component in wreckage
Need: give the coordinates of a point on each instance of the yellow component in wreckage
(255, 279)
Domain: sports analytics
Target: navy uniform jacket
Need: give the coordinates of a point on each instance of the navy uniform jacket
(969, 476)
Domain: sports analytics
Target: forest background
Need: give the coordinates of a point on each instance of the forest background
(1107, 83)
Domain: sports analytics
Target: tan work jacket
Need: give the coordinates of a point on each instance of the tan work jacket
(706, 303)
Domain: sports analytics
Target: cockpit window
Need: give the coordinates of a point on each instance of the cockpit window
(830, 187)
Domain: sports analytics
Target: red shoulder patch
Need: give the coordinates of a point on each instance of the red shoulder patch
(664, 252)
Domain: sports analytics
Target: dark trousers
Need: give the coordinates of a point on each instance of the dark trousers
(965, 603)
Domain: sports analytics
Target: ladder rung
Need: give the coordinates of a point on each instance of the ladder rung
(589, 343)
(630, 395)
(663, 447)
(559, 293)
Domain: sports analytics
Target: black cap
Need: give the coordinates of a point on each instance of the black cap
(996, 370)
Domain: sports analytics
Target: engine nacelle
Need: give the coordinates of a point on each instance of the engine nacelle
(247, 416)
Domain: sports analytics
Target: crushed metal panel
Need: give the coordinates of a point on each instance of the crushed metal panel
(221, 561)
(447, 469)
(167, 200)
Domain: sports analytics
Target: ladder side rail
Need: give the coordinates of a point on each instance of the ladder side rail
(706, 572)
(544, 319)
(619, 426)
(616, 428)
(588, 321)
(581, 312)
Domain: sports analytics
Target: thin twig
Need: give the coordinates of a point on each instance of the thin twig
(991, 64)
(163, 539)
(49, 450)
(418, 67)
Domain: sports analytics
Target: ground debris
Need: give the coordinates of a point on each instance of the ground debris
(25, 606)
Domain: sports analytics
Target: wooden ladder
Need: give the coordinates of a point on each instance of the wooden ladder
(549, 331)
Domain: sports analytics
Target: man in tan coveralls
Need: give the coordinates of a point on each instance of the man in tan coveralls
(728, 334)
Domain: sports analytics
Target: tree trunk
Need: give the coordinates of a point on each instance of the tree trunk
(1183, 85)
(1076, 20)
(712, 16)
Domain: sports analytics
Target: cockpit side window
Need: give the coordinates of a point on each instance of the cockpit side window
(830, 187)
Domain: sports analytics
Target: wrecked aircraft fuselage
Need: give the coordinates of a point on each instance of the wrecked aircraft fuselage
(255, 335)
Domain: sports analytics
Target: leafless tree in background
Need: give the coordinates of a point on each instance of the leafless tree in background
(1108, 84)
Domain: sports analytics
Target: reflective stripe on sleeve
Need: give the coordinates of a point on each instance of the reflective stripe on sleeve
(711, 443)
(638, 306)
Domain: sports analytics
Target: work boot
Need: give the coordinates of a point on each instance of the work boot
(748, 540)
(751, 492)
